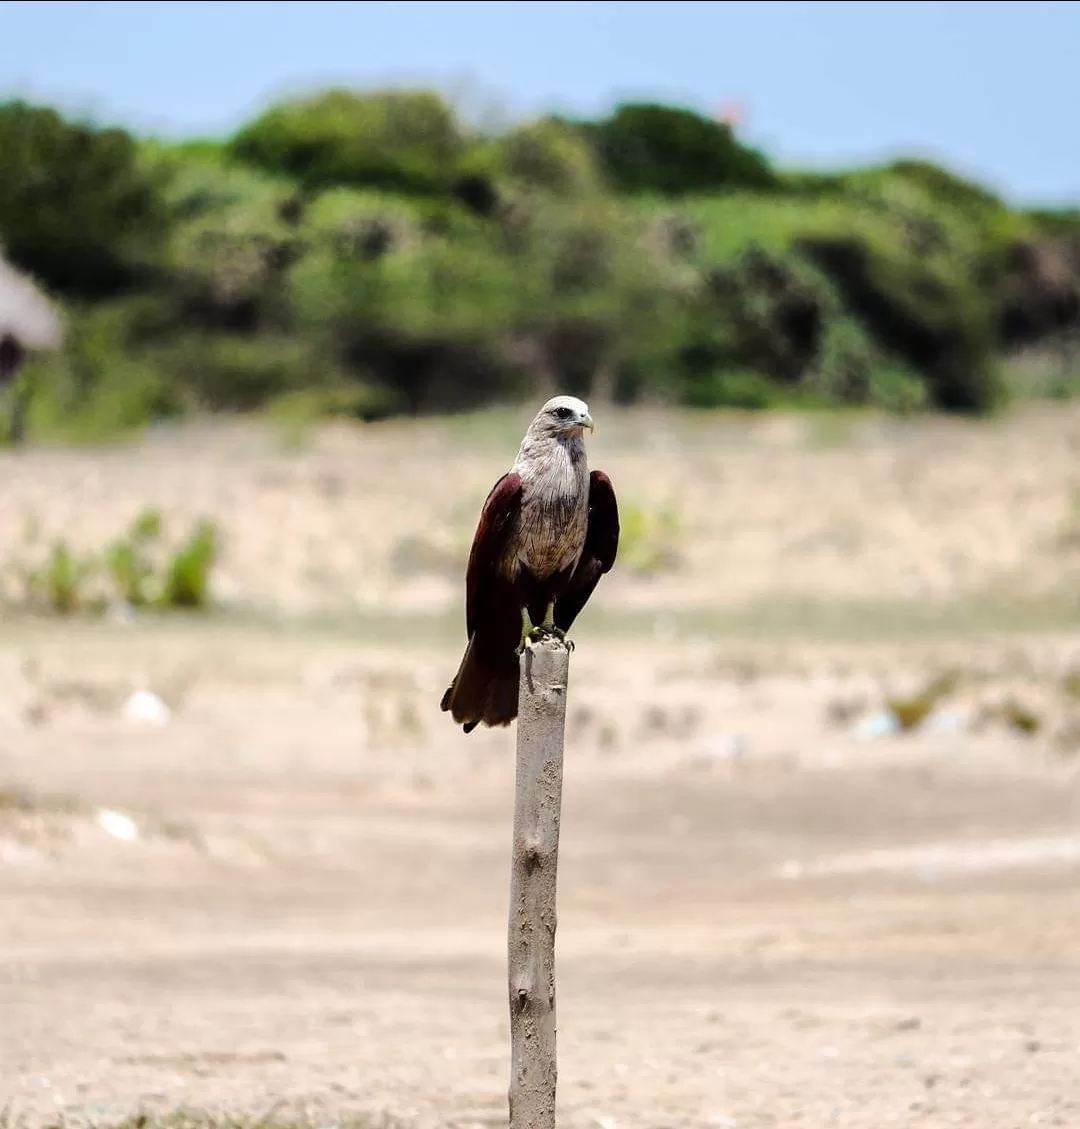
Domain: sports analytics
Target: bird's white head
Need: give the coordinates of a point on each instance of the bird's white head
(562, 417)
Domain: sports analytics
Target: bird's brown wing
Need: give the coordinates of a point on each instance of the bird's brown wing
(598, 555)
(483, 585)
(485, 688)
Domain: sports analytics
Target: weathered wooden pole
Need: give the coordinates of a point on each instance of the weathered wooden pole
(545, 670)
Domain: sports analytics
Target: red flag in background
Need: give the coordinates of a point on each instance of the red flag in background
(732, 113)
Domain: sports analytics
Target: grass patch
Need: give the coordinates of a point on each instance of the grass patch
(648, 539)
(1021, 718)
(138, 570)
(911, 712)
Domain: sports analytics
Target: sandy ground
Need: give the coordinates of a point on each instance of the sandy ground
(754, 511)
(293, 894)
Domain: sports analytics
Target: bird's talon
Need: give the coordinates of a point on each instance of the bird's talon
(540, 632)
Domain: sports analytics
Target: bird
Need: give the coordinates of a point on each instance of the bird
(548, 530)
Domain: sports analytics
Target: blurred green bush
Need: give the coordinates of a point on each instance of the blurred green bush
(137, 570)
(77, 208)
(367, 253)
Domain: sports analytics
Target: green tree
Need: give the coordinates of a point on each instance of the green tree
(549, 154)
(77, 208)
(645, 147)
(404, 140)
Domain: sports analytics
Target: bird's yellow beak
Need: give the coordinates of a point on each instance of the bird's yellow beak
(586, 421)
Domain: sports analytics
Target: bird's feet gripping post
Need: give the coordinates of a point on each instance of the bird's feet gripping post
(531, 635)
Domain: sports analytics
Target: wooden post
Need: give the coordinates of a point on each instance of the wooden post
(541, 723)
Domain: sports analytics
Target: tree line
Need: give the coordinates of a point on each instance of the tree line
(369, 254)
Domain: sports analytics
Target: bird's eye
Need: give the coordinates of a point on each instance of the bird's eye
(563, 413)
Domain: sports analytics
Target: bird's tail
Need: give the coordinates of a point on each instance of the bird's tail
(484, 690)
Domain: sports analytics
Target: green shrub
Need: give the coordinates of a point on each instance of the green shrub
(357, 254)
(1055, 222)
(846, 362)
(777, 312)
(186, 582)
(362, 224)
(130, 561)
(648, 539)
(347, 399)
(226, 372)
(402, 140)
(551, 155)
(77, 208)
(137, 568)
(947, 187)
(61, 583)
(1021, 718)
(204, 182)
(936, 321)
(101, 383)
(911, 712)
(645, 147)
(227, 269)
(752, 391)
(898, 389)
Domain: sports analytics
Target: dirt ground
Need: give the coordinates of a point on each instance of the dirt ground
(291, 892)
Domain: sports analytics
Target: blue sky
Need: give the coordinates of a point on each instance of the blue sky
(990, 88)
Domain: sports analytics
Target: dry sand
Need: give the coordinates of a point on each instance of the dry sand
(294, 892)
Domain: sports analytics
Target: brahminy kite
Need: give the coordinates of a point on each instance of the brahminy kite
(547, 532)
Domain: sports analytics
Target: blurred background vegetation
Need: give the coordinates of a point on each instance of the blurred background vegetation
(368, 254)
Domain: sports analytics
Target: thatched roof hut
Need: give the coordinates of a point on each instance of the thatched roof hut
(28, 320)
